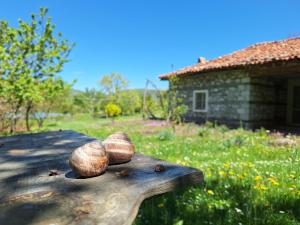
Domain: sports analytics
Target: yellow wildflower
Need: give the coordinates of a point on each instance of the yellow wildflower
(258, 178)
(210, 192)
(263, 188)
(273, 181)
(222, 173)
(260, 187)
(226, 165)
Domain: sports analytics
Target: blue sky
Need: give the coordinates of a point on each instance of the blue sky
(142, 39)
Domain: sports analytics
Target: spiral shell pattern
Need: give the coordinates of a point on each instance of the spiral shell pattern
(89, 160)
(119, 148)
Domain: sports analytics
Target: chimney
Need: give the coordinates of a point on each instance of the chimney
(201, 60)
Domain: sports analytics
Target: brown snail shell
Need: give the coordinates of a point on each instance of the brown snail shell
(89, 160)
(119, 148)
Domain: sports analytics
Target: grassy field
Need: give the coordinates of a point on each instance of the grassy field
(250, 177)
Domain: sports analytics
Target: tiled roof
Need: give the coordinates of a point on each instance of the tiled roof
(261, 53)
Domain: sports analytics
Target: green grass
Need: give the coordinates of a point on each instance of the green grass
(248, 178)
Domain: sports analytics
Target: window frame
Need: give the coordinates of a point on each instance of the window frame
(195, 92)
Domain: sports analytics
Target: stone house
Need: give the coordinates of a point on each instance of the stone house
(258, 86)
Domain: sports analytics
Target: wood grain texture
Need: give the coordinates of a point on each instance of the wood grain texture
(31, 193)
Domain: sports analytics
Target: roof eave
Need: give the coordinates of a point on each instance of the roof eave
(241, 66)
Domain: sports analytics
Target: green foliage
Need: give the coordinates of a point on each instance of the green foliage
(112, 85)
(223, 128)
(209, 128)
(165, 135)
(90, 101)
(210, 124)
(151, 106)
(112, 110)
(154, 102)
(235, 141)
(93, 101)
(29, 56)
(178, 112)
(52, 92)
(130, 102)
(204, 131)
(176, 108)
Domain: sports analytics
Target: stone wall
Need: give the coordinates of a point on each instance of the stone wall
(228, 97)
(254, 97)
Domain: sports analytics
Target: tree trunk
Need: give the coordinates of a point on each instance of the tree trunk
(13, 126)
(27, 114)
(40, 123)
(144, 99)
(14, 118)
(12, 130)
(41, 119)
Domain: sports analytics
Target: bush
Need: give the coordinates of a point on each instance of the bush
(112, 110)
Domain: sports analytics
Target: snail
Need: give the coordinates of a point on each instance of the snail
(159, 168)
(119, 148)
(89, 160)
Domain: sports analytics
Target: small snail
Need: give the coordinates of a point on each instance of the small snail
(119, 148)
(89, 160)
(159, 168)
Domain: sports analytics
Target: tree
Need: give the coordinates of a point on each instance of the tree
(51, 90)
(154, 102)
(130, 102)
(3, 115)
(16, 84)
(89, 101)
(112, 85)
(112, 111)
(65, 103)
(94, 100)
(29, 55)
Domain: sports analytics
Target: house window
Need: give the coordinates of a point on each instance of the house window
(200, 101)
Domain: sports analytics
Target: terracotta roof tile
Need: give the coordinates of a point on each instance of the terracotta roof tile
(261, 53)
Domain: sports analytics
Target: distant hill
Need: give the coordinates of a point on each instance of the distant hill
(152, 92)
